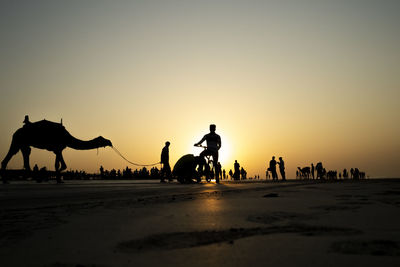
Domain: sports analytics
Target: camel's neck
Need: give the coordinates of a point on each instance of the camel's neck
(83, 145)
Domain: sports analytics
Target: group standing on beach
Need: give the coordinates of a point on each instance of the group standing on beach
(196, 165)
(272, 169)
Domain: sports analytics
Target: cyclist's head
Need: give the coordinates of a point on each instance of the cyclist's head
(167, 143)
(212, 127)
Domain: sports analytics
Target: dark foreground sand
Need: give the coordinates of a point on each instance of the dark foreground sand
(100, 223)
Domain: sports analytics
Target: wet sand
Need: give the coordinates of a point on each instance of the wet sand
(125, 223)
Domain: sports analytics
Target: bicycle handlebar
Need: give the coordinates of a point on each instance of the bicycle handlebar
(200, 146)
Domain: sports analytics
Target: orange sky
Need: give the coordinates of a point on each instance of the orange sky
(305, 80)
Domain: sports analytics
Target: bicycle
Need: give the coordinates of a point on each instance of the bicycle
(209, 169)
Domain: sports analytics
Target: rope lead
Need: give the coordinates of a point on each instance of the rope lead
(143, 165)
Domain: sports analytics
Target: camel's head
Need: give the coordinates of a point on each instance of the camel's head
(102, 142)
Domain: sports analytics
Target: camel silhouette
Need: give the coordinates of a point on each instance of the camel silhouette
(304, 172)
(47, 135)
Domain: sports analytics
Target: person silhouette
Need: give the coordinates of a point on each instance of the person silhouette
(272, 166)
(26, 120)
(312, 170)
(236, 167)
(320, 170)
(345, 174)
(218, 170)
(101, 171)
(282, 168)
(166, 169)
(185, 168)
(356, 174)
(243, 173)
(213, 144)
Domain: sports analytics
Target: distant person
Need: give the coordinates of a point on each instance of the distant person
(320, 170)
(101, 171)
(35, 173)
(213, 144)
(236, 167)
(26, 121)
(231, 174)
(218, 171)
(166, 169)
(243, 173)
(351, 173)
(312, 170)
(272, 166)
(356, 174)
(345, 174)
(36, 168)
(224, 174)
(267, 176)
(282, 168)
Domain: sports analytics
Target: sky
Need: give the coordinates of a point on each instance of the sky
(305, 80)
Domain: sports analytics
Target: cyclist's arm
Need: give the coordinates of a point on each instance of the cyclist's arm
(201, 141)
(219, 142)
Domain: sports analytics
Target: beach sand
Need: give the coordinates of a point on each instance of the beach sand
(145, 223)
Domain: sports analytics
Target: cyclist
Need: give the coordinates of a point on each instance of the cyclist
(213, 145)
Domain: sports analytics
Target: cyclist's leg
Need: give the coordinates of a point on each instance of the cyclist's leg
(203, 154)
(202, 162)
(215, 162)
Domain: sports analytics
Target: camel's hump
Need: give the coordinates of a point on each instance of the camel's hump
(45, 124)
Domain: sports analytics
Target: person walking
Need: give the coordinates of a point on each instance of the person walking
(166, 168)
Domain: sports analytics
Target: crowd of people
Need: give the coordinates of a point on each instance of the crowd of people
(127, 173)
(319, 172)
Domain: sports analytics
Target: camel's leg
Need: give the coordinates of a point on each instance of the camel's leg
(57, 163)
(59, 159)
(26, 152)
(13, 150)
